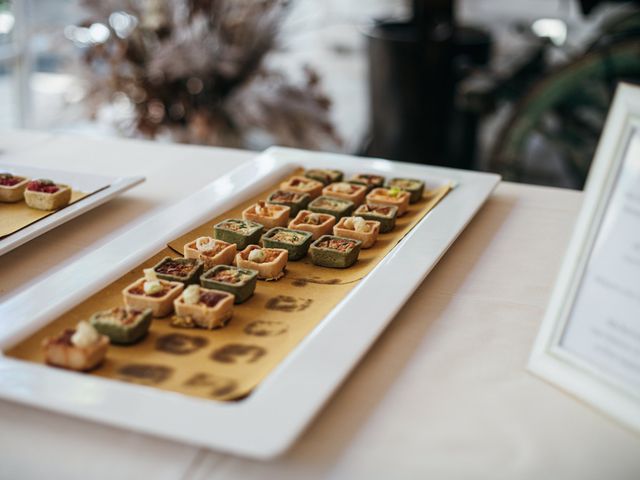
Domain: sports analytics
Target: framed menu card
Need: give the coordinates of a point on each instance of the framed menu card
(589, 343)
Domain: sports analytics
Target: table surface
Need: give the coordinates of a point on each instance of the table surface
(444, 392)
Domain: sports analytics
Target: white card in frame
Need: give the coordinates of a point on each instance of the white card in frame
(589, 342)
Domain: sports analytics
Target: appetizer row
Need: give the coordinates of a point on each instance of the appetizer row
(332, 220)
(41, 194)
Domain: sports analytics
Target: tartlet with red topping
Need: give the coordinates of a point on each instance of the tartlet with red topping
(43, 194)
(12, 187)
(81, 348)
(205, 307)
(268, 262)
(153, 293)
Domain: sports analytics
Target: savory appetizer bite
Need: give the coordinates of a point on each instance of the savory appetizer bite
(302, 185)
(390, 196)
(268, 215)
(385, 214)
(358, 228)
(338, 207)
(81, 348)
(295, 201)
(348, 191)
(12, 187)
(185, 270)
(123, 326)
(151, 292)
(241, 282)
(413, 186)
(325, 176)
(268, 262)
(296, 242)
(210, 252)
(317, 224)
(240, 232)
(335, 252)
(207, 308)
(46, 195)
(369, 181)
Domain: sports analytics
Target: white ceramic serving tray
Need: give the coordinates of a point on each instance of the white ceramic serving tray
(105, 189)
(267, 422)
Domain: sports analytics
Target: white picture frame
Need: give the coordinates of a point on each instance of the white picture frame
(581, 376)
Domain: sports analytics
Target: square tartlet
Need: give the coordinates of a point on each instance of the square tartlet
(317, 224)
(268, 215)
(299, 184)
(210, 251)
(359, 229)
(334, 252)
(161, 303)
(62, 351)
(368, 180)
(296, 242)
(390, 196)
(240, 232)
(268, 262)
(325, 176)
(385, 214)
(338, 207)
(46, 195)
(241, 282)
(123, 326)
(412, 185)
(207, 308)
(295, 201)
(185, 270)
(12, 188)
(347, 191)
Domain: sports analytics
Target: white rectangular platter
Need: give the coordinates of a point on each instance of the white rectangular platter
(269, 420)
(105, 189)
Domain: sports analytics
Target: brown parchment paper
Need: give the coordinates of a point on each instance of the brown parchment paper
(228, 363)
(16, 216)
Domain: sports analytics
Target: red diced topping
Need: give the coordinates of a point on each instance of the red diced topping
(43, 186)
(8, 180)
(211, 299)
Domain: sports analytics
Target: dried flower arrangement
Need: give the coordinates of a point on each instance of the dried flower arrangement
(196, 70)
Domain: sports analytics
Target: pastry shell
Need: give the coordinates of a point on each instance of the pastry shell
(416, 189)
(303, 185)
(223, 256)
(333, 258)
(368, 239)
(316, 231)
(204, 316)
(48, 201)
(357, 196)
(241, 290)
(73, 357)
(280, 216)
(13, 193)
(160, 306)
(381, 196)
(272, 270)
(250, 233)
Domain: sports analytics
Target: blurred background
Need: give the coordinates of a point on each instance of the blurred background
(518, 87)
